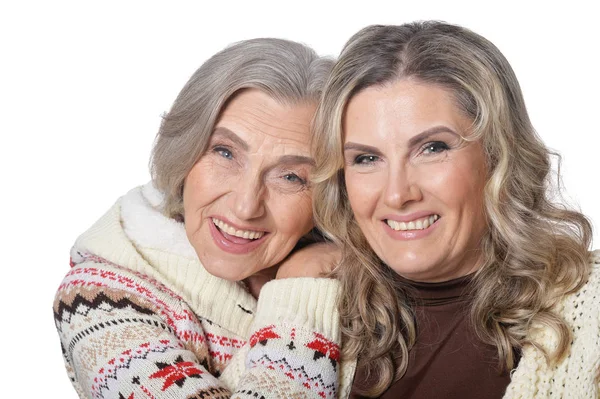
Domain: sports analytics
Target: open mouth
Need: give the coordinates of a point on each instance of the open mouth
(417, 224)
(233, 240)
(231, 232)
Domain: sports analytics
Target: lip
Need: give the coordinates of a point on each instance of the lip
(407, 235)
(410, 217)
(236, 226)
(231, 247)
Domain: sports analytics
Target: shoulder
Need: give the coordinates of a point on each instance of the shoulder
(595, 258)
(590, 291)
(577, 371)
(580, 309)
(586, 298)
(101, 301)
(93, 270)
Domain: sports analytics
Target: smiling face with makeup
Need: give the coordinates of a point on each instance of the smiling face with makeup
(414, 185)
(247, 201)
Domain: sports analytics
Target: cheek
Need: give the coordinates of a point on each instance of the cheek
(444, 181)
(457, 185)
(363, 192)
(199, 190)
(293, 216)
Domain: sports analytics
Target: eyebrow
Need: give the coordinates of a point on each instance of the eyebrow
(419, 138)
(350, 146)
(411, 143)
(285, 159)
(296, 160)
(228, 134)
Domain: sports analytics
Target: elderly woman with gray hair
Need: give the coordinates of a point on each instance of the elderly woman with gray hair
(161, 300)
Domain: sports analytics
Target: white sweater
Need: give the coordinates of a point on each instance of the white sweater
(139, 317)
(576, 376)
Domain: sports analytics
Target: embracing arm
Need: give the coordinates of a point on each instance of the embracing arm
(294, 348)
(123, 338)
(127, 337)
(296, 330)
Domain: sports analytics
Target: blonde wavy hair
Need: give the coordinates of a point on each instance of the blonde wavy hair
(535, 250)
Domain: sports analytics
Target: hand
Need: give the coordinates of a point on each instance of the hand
(256, 281)
(314, 260)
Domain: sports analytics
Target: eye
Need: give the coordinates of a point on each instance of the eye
(435, 147)
(365, 159)
(294, 178)
(224, 152)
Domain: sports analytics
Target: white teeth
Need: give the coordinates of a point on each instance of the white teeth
(248, 234)
(419, 224)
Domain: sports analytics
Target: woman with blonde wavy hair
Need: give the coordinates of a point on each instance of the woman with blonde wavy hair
(461, 276)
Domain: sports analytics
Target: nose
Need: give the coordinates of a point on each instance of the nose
(247, 201)
(402, 188)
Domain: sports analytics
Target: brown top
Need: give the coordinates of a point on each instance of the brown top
(448, 360)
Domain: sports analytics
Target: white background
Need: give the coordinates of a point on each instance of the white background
(83, 85)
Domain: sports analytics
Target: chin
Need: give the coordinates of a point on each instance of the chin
(230, 272)
(414, 273)
(411, 269)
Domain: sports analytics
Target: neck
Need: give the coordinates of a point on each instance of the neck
(256, 281)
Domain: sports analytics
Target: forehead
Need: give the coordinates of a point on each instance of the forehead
(260, 120)
(406, 107)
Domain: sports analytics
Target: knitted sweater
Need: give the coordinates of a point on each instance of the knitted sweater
(578, 375)
(139, 317)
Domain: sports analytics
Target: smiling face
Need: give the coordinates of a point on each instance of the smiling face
(414, 185)
(247, 201)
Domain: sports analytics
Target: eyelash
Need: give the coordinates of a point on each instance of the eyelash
(431, 148)
(360, 159)
(436, 145)
(295, 176)
(219, 149)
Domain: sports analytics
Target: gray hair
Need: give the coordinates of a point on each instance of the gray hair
(289, 72)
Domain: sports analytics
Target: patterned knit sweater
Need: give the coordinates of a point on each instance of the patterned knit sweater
(139, 317)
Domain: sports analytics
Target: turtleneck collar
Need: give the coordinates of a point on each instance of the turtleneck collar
(435, 294)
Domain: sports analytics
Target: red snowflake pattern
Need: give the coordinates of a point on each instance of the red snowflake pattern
(177, 372)
(262, 335)
(324, 347)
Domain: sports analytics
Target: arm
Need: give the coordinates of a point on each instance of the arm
(295, 341)
(314, 260)
(296, 329)
(124, 338)
(127, 337)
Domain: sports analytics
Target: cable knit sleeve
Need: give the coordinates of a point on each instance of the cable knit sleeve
(295, 331)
